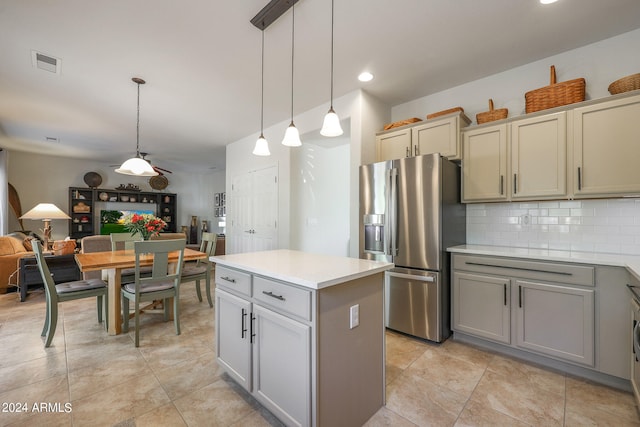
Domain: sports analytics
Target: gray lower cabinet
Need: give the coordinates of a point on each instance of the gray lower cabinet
(481, 306)
(569, 316)
(294, 348)
(556, 320)
(250, 343)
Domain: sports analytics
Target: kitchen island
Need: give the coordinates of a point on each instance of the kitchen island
(303, 333)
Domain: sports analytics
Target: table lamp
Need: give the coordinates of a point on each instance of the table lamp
(46, 212)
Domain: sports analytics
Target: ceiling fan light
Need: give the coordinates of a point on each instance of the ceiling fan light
(331, 125)
(136, 166)
(262, 147)
(292, 137)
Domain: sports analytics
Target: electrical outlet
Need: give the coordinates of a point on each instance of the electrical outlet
(354, 316)
(525, 219)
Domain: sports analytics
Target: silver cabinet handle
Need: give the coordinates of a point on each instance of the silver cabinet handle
(252, 333)
(228, 279)
(520, 296)
(501, 185)
(407, 154)
(272, 295)
(515, 183)
(636, 338)
(413, 277)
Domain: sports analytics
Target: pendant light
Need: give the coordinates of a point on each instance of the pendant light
(331, 125)
(292, 136)
(137, 165)
(262, 146)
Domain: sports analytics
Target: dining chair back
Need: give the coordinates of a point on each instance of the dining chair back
(65, 292)
(97, 243)
(202, 268)
(162, 284)
(121, 241)
(125, 241)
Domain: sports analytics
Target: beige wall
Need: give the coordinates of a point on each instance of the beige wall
(39, 178)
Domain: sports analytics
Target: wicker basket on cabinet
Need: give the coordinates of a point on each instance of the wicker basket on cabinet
(492, 114)
(555, 95)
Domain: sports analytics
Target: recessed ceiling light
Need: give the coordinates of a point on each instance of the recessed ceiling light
(548, 1)
(365, 76)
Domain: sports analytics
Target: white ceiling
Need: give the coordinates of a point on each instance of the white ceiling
(201, 61)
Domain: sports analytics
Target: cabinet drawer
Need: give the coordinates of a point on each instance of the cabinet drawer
(286, 298)
(234, 280)
(539, 270)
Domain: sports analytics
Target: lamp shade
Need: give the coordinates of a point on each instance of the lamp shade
(136, 166)
(331, 125)
(292, 137)
(45, 211)
(262, 147)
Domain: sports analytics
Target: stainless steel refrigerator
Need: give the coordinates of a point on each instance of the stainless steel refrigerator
(410, 212)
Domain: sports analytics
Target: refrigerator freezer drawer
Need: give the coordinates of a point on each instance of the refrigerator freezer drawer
(413, 303)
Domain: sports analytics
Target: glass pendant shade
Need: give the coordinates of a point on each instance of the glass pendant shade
(136, 166)
(292, 137)
(331, 125)
(262, 147)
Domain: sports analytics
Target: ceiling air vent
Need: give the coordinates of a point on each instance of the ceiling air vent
(45, 62)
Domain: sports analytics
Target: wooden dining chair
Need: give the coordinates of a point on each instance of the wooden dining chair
(160, 285)
(202, 269)
(65, 292)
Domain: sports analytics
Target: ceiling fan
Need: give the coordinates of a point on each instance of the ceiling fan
(155, 168)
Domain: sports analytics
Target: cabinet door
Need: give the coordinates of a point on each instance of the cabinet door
(439, 136)
(484, 165)
(556, 320)
(394, 145)
(481, 306)
(606, 148)
(282, 366)
(539, 156)
(233, 342)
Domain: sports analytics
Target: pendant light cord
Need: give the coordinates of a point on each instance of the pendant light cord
(331, 54)
(262, 90)
(138, 125)
(293, 29)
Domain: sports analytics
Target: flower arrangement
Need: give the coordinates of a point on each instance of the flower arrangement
(146, 225)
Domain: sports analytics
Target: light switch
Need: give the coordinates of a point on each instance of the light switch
(354, 316)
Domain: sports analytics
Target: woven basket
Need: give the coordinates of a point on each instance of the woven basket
(401, 123)
(64, 247)
(444, 112)
(555, 95)
(625, 84)
(492, 115)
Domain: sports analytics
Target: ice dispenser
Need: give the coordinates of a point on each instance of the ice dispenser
(374, 233)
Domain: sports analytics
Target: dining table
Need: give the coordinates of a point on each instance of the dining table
(112, 263)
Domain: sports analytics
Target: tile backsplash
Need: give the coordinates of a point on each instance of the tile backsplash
(606, 225)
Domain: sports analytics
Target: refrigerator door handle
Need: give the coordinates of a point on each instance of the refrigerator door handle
(393, 211)
(412, 277)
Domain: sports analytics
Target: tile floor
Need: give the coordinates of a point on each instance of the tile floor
(174, 380)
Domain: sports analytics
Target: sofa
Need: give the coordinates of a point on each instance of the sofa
(12, 248)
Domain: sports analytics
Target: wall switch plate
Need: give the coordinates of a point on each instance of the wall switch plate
(354, 316)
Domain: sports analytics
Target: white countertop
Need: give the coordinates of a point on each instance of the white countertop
(309, 270)
(631, 262)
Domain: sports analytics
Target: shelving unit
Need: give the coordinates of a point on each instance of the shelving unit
(83, 210)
